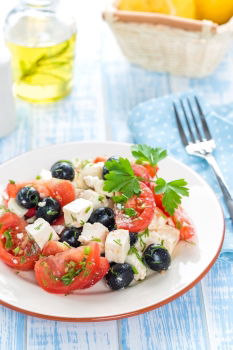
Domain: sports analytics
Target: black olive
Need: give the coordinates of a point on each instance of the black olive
(119, 276)
(105, 216)
(28, 197)
(133, 237)
(105, 170)
(157, 257)
(70, 235)
(63, 170)
(49, 209)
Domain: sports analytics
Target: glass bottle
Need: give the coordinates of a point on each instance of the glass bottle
(41, 39)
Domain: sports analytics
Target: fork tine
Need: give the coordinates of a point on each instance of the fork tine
(187, 121)
(180, 127)
(203, 120)
(194, 120)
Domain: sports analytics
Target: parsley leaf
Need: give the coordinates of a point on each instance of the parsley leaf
(120, 199)
(172, 193)
(145, 153)
(121, 177)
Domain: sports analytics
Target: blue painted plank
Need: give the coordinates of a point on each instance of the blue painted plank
(180, 325)
(44, 335)
(12, 330)
(218, 300)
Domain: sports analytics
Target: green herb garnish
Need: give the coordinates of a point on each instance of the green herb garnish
(87, 250)
(68, 278)
(95, 239)
(145, 233)
(52, 212)
(118, 241)
(133, 250)
(145, 153)
(121, 178)
(50, 236)
(73, 218)
(66, 244)
(130, 212)
(172, 193)
(9, 242)
(88, 209)
(16, 250)
(38, 227)
(120, 199)
(101, 198)
(135, 271)
(22, 259)
(12, 182)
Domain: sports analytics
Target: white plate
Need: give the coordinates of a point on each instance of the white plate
(189, 265)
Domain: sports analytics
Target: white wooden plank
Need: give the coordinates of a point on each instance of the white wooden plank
(51, 335)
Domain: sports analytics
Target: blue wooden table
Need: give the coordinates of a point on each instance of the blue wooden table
(106, 88)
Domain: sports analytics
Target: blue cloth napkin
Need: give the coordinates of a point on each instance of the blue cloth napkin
(153, 122)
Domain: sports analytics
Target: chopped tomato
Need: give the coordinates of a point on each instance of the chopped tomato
(62, 190)
(183, 222)
(99, 159)
(100, 272)
(72, 269)
(158, 199)
(141, 172)
(152, 170)
(54, 247)
(144, 205)
(17, 249)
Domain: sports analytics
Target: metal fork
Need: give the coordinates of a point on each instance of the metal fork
(198, 141)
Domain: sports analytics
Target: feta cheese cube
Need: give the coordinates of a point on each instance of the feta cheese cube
(90, 169)
(42, 232)
(45, 174)
(117, 246)
(97, 184)
(93, 169)
(16, 208)
(159, 220)
(97, 199)
(77, 213)
(168, 234)
(94, 232)
(170, 237)
(138, 266)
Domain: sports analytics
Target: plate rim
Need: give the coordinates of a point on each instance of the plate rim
(138, 311)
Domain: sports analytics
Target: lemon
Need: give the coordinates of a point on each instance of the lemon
(219, 11)
(182, 8)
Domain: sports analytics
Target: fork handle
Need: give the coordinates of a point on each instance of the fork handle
(226, 193)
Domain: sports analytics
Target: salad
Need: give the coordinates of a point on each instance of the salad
(86, 220)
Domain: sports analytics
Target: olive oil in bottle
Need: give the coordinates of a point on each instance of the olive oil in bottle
(42, 46)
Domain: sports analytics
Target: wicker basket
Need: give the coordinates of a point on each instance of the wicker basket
(171, 44)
